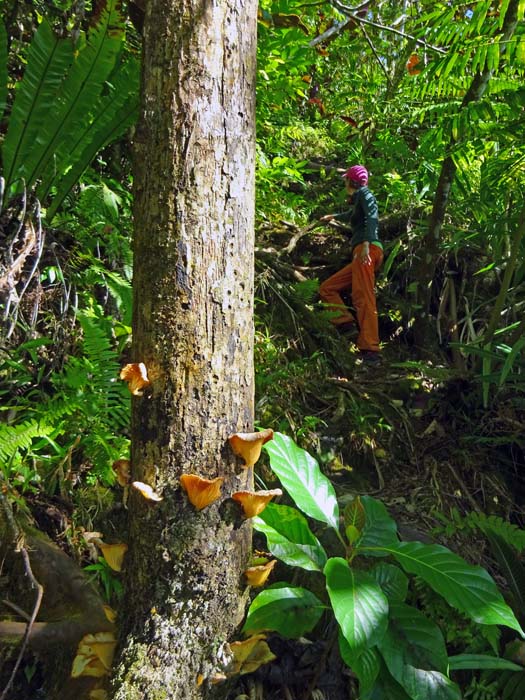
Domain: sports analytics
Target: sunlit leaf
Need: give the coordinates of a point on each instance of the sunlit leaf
(300, 475)
(289, 610)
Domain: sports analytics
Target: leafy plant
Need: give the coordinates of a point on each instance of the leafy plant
(73, 99)
(84, 411)
(389, 645)
(107, 578)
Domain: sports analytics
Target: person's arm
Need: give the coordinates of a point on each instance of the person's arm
(343, 216)
(369, 205)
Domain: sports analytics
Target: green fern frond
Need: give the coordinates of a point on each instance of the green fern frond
(78, 92)
(493, 524)
(306, 291)
(48, 62)
(114, 112)
(15, 439)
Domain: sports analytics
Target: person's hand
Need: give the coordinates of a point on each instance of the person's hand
(364, 254)
(327, 217)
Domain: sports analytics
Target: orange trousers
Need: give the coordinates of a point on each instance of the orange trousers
(360, 277)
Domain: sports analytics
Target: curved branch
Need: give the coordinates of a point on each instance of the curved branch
(350, 12)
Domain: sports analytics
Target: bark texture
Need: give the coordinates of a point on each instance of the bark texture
(193, 329)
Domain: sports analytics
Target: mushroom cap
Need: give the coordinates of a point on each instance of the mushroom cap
(122, 468)
(112, 553)
(147, 491)
(249, 445)
(136, 375)
(249, 654)
(254, 502)
(201, 492)
(257, 576)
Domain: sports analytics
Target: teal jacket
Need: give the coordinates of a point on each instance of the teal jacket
(362, 217)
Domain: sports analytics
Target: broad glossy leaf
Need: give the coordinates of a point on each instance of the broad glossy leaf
(355, 514)
(300, 475)
(285, 609)
(468, 588)
(289, 538)
(414, 651)
(393, 582)
(359, 604)
(366, 665)
(465, 662)
(386, 687)
(380, 529)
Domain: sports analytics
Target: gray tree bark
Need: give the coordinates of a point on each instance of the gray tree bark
(193, 329)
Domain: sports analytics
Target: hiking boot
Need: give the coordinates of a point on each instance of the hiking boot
(371, 358)
(349, 328)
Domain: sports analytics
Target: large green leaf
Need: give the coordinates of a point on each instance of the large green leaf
(285, 609)
(113, 114)
(385, 687)
(78, 93)
(289, 538)
(380, 529)
(300, 475)
(465, 662)
(393, 582)
(359, 604)
(34, 107)
(414, 652)
(365, 665)
(468, 588)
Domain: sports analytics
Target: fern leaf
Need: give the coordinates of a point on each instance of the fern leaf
(18, 438)
(78, 92)
(48, 61)
(510, 533)
(113, 114)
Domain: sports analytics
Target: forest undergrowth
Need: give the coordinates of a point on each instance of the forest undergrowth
(413, 432)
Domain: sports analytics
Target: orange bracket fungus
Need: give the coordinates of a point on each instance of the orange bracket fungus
(112, 553)
(248, 445)
(94, 655)
(136, 375)
(201, 492)
(254, 502)
(257, 576)
(147, 491)
(250, 654)
(122, 470)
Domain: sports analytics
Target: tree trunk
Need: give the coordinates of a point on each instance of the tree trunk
(193, 329)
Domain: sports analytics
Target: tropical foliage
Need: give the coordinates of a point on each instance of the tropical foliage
(430, 96)
(387, 643)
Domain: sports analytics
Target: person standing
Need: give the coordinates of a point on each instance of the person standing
(359, 275)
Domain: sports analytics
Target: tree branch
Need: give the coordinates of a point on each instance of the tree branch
(352, 17)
